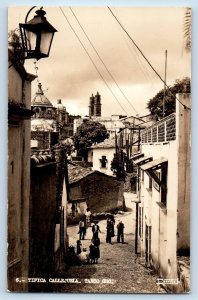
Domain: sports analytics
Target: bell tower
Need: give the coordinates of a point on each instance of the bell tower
(91, 106)
(97, 105)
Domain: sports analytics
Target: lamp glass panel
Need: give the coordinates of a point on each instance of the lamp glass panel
(31, 40)
(46, 39)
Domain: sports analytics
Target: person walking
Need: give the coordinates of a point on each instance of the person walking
(95, 230)
(110, 230)
(120, 232)
(82, 230)
(88, 218)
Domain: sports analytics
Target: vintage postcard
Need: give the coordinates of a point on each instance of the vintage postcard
(99, 112)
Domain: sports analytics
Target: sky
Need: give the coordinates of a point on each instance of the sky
(69, 73)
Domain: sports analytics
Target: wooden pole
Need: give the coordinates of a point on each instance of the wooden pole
(165, 84)
(136, 230)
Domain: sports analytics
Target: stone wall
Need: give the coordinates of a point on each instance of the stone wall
(102, 193)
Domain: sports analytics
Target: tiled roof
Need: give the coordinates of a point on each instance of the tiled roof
(108, 143)
(41, 158)
(76, 172)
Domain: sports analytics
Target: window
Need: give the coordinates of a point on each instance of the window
(155, 184)
(103, 162)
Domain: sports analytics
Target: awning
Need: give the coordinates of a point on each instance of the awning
(137, 156)
(155, 164)
(143, 160)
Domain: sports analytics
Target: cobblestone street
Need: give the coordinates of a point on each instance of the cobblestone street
(118, 270)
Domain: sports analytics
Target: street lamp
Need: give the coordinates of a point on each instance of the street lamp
(36, 35)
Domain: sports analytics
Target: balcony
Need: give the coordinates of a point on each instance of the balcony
(160, 132)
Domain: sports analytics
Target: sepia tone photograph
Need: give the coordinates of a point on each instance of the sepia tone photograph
(99, 143)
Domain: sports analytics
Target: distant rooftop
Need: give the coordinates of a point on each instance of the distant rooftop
(108, 143)
(76, 172)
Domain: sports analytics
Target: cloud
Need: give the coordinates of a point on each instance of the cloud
(69, 74)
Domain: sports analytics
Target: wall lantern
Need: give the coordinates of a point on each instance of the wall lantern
(36, 35)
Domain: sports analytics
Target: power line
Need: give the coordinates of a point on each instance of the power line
(146, 58)
(103, 61)
(92, 61)
(133, 51)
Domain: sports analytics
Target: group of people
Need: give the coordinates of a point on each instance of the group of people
(94, 249)
(110, 230)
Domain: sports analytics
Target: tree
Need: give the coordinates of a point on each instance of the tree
(155, 105)
(89, 133)
(117, 165)
(187, 29)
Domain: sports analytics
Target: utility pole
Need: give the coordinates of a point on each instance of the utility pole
(165, 84)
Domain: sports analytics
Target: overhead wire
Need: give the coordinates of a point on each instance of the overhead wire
(133, 51)
(185, 107)
(102, 61)
(92, 60)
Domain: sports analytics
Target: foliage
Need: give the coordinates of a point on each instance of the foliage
(14, 42)
(155, 105)
(66, 145)
(187, 29)
(89, 133)
(117, 166)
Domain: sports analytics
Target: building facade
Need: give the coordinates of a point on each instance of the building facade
(163, 188)
(101, 155)
(19, 114)
(46, 122)
(93, 189)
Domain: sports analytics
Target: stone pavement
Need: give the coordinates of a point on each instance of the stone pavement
(118, 269)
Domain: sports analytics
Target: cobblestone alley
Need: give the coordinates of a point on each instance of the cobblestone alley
(118, 270)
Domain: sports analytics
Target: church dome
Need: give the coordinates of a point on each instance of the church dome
(60, 107)
(40, 99)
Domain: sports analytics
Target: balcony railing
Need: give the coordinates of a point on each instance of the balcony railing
(162, 131)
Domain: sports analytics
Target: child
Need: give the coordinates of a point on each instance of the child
(84, 256)
(92, 253)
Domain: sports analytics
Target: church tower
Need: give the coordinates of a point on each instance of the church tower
(91, 106)
(97, 105)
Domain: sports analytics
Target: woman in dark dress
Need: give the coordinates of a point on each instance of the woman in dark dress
(96, 250)
(78, 247)
(92, 253)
